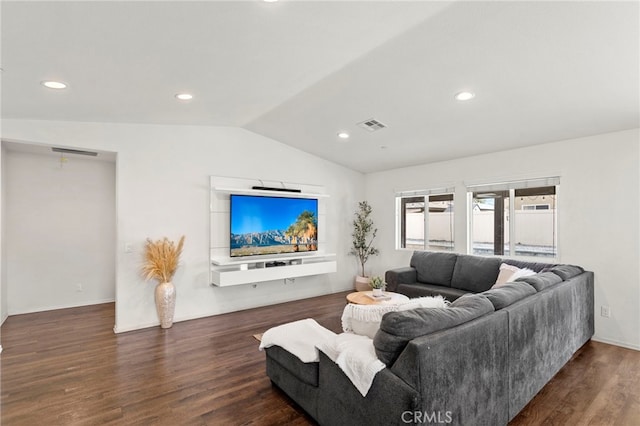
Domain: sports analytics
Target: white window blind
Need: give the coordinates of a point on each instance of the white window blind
(424, 192)
(518, 184)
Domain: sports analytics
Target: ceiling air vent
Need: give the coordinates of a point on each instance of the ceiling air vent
(74, 151)
(372, 125)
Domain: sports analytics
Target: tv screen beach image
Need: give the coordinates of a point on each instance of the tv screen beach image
(272, 225)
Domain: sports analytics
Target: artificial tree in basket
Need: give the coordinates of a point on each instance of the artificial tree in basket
(161, 260)
(362, 246)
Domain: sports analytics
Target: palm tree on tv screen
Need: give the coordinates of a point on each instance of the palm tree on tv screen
(304, 231)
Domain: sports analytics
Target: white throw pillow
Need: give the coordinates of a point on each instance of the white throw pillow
(509, 273)
(524, 272)
(506, 271)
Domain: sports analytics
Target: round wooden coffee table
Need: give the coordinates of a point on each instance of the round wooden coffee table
(364, 298)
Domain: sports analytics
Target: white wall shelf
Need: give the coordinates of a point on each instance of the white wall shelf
(228, 272)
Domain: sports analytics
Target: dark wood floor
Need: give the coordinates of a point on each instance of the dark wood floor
(67, 367)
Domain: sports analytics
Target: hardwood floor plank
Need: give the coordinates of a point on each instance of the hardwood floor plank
(67, 367)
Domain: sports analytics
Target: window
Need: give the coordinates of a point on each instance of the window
(425, 221)
(515, 218)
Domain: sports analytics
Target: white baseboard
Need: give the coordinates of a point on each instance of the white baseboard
(616, 343)
(0, 349)
(65, 306)
(117, 329)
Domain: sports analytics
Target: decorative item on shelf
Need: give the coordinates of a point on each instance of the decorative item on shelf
(362, 247)
(161, 260)
(377, 285)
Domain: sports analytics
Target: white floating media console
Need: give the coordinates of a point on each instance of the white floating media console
(236, 272)
(230, 271)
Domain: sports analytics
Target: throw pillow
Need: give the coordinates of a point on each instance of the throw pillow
(524, 272)
(504, 276)
(509, 273)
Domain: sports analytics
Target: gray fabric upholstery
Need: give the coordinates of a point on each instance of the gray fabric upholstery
(542, 280)
(508, 294)
(307, 372)
(472, 388)
(399, 275)
(398, 328)
(534, 266)
(475, 273)
(423, 289)
(544, 332)
(305, 395)
(434, 267)
(567, 271)
(340, 403)
(469, 363)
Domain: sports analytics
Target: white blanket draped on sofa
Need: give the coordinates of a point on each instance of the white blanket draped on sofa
(354, 354)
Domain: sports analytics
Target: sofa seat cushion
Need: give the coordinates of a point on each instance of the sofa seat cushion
(475, 273)
(420, 290)
(509, 293)
(567, 271)
(398, 328)
(542, 280)
(434, 268)
(307, 372)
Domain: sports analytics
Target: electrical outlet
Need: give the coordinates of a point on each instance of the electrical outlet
(79, 287)
(605, 311)
(128, 248)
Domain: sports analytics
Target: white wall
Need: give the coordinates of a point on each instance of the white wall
(60, 231)
(162, 189)
(4, 309)
(600, 180)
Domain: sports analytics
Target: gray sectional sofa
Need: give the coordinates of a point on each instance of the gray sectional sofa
(478, 361)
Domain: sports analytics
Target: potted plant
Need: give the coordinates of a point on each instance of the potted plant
(362, 247)
(161, 260)
(377, 285)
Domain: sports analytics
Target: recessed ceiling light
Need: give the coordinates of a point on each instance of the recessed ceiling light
(465, 96)
(270, 1)
(184, 96)
(54, 84)
(343, 135)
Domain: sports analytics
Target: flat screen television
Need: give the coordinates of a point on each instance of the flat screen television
(272, 225)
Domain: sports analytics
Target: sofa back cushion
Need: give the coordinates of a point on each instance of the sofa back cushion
(567, 271)
(398, 328)
(509, 293)
(434, 268)
(542, 280)
(534, 266)
(475, 273)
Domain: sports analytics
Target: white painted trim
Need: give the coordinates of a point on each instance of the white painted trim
(0, 349)
(616, 343)
(65, 306)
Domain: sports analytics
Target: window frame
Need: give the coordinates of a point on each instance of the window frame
(402, 199)
(514, 189)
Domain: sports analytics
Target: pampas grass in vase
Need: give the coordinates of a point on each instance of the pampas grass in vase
(161, 260)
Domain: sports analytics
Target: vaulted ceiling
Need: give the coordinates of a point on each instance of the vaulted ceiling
(300, 72)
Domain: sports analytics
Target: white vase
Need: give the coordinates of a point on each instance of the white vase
(165, 303)
(377, 292)
(362, 283)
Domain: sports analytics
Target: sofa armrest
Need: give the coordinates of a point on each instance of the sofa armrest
(406, 275)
